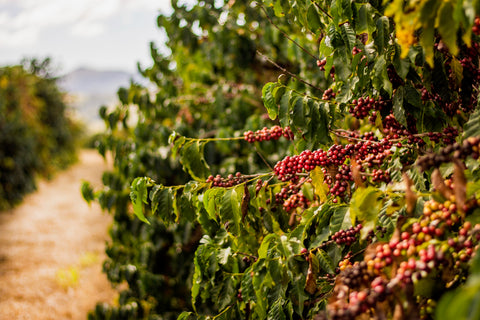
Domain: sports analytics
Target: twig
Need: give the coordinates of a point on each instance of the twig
(323, 10)
(288, 72)
(287, 36)
(263, 158)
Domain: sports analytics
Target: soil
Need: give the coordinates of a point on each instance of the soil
(52, 249)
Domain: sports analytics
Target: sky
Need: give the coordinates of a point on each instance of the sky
(99, 34)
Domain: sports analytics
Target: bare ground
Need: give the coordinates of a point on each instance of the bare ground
(52, 249)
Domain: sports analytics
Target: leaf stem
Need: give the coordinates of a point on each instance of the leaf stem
(288, 72)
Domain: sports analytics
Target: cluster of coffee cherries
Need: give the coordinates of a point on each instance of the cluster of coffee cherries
(230, 181)
(347, 237)
(267, 134)
(357, 292)
(339, 182)
(476, 26)
(447, 136)
(437, 246)
(361, 107)
(379, 175)
(337, 174)
(321, 65)
(468, 148)
(328, 94)
(356, 51)
(292, 197)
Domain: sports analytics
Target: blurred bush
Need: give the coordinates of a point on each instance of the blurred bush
(36, 135)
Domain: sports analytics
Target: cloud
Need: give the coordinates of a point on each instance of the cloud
(23, 21)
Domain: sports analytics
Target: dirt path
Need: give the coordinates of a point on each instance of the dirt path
(52, 249)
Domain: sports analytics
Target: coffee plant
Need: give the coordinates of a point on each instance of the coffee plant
(351, 191)
(37, 136)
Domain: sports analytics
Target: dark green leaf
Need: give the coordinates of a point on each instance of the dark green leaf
(338, 217)
(284, 114)
(87, 192)
(299, 106)
(313, 18)
(212, 200)
(398, 110)
(448, 26)
(185, 315)
(472, 127)
(365, 22)
(381, 80)
(269, 99)
(162, 202)
(230, 211)
(193, 160)
(265, 246)
(325, 261)
(276, 310)
(139, 196)
(381, 36)
(348, 35)
(227, 292)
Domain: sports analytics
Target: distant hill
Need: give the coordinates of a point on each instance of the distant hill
(89, 89)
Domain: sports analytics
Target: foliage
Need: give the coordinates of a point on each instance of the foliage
(36, 135)
(358, 198)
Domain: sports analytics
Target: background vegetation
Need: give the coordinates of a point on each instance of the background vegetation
(37, 136)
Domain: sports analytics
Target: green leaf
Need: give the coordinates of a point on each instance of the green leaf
(193, 160)
(299, 106)
(413, 97)
(313, 18)
(248, 293)
(325, 261)
(418, 179)
(381, 36)
(281, 7)
(284, 114)
(278, 93)
(398, 110)
(462, 303)
(139, 196)
(365, 206)
(269, 99)
(448, 26)
(186, 315)
(230, 210)
(178, 141)
(319, 123)
(338, 217)
(473, 187)
(226, 292)
(264, 247)
(184, 205)
(276, 310)
(348, 36)
(472, 127)
(162, 202)
(298, 293)
(428, 15)
(381, 80)
(321, 188)
(457, 71)
(212, 200)
(87, 192)
(365, 21)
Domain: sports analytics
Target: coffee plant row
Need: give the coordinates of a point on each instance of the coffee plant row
(36, 135)
(347, 187)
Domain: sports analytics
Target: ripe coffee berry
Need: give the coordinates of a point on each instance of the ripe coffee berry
(266, 134)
